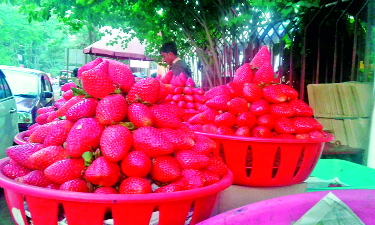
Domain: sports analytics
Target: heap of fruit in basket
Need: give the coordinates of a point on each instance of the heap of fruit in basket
(111, 136)
(254, 106)
(183, 92)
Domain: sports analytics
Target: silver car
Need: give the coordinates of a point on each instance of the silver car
(8, 116)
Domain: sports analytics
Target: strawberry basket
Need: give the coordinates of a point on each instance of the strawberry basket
(19, 138)
(269, 161)
(87, 208)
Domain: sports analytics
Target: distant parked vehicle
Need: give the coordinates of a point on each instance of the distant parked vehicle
(8, 116)
(32, 90)
(65, 77)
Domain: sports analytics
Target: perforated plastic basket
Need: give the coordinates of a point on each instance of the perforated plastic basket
(19, 138)
(88, 208)
(269, 161)
(285, 210)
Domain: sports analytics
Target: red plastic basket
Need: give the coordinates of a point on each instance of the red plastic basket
(87, 208)
(19, 138)
(189, 114)
(269, 161)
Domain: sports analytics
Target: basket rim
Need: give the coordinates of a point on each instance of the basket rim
(18, 138)
(29, 190)
(329, 138)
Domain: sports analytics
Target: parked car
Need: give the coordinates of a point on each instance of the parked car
(32, 90)
(8, 116)
(65, 77)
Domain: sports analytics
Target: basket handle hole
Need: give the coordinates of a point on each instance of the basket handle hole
(249, 161)
(299, 163)
(276, 162)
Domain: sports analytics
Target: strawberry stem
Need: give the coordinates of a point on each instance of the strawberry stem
(128, 125)
(88, 157)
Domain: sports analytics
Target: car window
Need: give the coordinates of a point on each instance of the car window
(22, 83)
(8, 93)
(42, 84)
(2, 89)
(47, 84)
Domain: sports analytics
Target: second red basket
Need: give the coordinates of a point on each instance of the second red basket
(269, 162)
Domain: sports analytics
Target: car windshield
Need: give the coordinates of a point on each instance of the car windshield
(22, 84)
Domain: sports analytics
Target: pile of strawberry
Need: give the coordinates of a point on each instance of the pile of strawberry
(111, 135)
(183, 92)
(254, 106)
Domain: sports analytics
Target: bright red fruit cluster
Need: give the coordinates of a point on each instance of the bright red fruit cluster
(254, 106)
(116, 135)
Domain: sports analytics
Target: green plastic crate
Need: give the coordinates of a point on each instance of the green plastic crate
(355, 175)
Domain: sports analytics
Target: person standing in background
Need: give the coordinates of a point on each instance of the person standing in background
(170, 56)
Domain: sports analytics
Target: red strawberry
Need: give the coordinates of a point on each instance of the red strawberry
(180, 113)
(316, 124)
(177, 81)
(264, 75)
(35, 178)
(261, 57)
(204, 145)
(136, 164)
(85, 108)
(165, 118)
(197, 127)
(76, 185)
(244, 75)
(219, 90)
(47, 156)
(279, 93)
(15, 170)
(83, 137)
(260, 107)
(179, 139)
(282, 110)
(165, 169)
(135, 185)
(261, 132)
(226, 119)
(45, 109)
(183, 78)
(51, 117)
(266, 120)
(217, 165)
(238, 105)
(184, 128)
(224, 131)
(63, 109)
(140, 115)
(246, 119)
(252, 93)
(190, 83)
(209, 128)
(235, 89)
(219, 102)
(242, 132)
(103, 172)
(199, 98)
(152, 142)
(165, 90)
(111, 108)
(191, 179)
(58, 133)
(188, 98)
(188, 159)
(188, 90)
(115, 142)
(172, 187)
(21, 153)
(208, 116)
(120, 74)
(68, 95)
(196, 120)
(284, 126)
(167, 77)
(42, 119)
(303, 125)
(88, 66)
(287, 136)
(58, 104)
(210, 177)
(203, 108)
(96, 81)
(41, 132)
(317, 134)
(303, 136)
(301, 108)
(68, 86)
(182, 104)
(65, 170)
(106, 190)
(198, 91)
(145, 90)
(32, 127)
